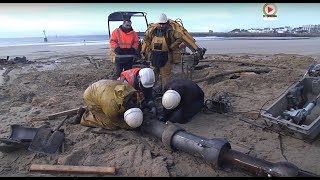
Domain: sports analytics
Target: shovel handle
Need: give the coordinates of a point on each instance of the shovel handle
(65, 119)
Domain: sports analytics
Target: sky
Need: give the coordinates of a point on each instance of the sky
(30, 19)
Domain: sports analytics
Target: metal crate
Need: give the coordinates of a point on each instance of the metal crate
(311, 126)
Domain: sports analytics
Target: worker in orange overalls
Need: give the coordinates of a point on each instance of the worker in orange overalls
(124, 42)
(163, 40)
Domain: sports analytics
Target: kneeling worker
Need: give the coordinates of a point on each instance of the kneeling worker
(143, 80)
(182, 100)
(111, 104)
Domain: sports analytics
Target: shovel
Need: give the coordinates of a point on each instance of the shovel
(48, 141)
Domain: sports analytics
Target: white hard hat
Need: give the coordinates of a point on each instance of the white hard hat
(147, 78)
(133, 117)
(163, 18)
(171, 99)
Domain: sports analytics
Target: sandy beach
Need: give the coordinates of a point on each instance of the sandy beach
(58, 76)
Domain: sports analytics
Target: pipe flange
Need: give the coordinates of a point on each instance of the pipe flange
(168, 133)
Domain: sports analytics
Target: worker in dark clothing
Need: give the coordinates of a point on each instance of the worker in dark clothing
(182, 100)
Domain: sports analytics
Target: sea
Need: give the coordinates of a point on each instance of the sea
(70, 40)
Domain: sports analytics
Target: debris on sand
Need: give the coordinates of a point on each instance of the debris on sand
(16, 60)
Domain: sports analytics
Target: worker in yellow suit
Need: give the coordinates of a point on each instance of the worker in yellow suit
(112, 104)
(163, 40)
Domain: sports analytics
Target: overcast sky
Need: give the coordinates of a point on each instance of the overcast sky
(30, 19)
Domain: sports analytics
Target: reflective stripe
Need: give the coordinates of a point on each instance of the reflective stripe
(122, 56)
(121, 43)
(129, 76)
(133, 41)
(123, 79)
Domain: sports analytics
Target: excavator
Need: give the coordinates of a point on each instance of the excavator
(190, 60)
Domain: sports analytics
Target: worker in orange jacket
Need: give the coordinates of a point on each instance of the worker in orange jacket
(141, 79)
(124, 42)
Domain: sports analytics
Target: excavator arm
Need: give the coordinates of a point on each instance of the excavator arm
(188, 40)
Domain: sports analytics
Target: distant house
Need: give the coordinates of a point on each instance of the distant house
(282, 30)
(311, 28)
(238, 30)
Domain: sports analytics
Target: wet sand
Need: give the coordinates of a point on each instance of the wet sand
(237, 46)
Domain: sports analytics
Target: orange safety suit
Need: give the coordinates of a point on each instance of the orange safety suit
(130, 76)
(124, 40)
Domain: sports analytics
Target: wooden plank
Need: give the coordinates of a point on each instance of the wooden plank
(56, 115)
(63, 113)
(73, 169)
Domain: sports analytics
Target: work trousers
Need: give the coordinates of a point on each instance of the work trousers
(122, 64)
(182, 116)
(163, 74)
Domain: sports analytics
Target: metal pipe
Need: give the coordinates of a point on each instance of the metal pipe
(259, 166)
(209, 149)
(153, 127)
(217, 151)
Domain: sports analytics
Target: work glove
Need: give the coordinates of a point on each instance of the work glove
(153, 111)
(152, 106)
(136, 51)
(117, 50)
(161, 118)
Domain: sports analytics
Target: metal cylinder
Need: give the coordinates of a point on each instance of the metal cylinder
(259, 166)
(210, 150)
(218, 151)
(153, 127)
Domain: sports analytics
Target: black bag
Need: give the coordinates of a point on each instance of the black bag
(159, 58)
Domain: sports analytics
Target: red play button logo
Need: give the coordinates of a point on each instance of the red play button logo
(270, 9)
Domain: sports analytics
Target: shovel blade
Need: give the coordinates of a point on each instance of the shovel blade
(47, 141)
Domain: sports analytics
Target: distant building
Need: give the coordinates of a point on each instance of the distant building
(281, 30)
(238, 30)
(311, 28)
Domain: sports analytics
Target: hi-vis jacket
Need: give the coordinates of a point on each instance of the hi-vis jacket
(104, 100)
(130, 76)
(124, 40)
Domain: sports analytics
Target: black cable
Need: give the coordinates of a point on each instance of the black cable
(273, 99)
(281, 147)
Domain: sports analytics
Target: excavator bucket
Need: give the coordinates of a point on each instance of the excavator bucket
(20, 137)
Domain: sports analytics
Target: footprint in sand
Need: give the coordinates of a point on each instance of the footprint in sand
(136, 160)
